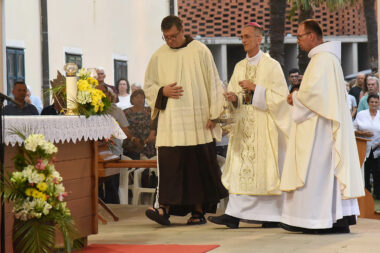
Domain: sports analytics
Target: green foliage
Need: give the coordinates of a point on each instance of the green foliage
(68, 229)
(35, 235)
(88, 110)
(332, 5)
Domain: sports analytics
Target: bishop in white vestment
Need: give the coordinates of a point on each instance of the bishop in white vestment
(321, 173)
(258, 140)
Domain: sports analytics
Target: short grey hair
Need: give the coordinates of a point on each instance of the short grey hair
(373, 78)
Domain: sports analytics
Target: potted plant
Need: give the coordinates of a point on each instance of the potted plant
(37, 194)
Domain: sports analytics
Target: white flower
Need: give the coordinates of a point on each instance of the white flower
(33, 176)
(17, 176)
(55, 174)
(33, 141)
(59, 189)
(84, 97)
(49, 148)
(46, 208)
(83, 73)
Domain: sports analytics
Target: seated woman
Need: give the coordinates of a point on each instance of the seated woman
(367, 124)
(143, 137)
(123, 89)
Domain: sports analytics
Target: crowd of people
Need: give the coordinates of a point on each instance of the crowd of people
(291, 145)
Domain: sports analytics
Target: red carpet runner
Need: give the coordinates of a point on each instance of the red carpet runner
(159, 248)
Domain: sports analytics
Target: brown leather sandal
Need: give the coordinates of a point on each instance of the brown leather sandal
(155, 215)
(196, 218)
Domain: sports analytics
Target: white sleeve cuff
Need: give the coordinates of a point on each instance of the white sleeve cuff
(259, 98)
(300, 112)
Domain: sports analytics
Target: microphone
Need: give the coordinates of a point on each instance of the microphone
(5, 97)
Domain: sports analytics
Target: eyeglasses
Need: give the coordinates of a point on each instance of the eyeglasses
(301, 35)
(171, 37)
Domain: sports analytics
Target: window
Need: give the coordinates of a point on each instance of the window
(15, 67)
(121, 70)
(74, 58)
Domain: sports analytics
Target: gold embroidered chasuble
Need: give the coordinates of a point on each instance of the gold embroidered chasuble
(252, 158)
(183, 122)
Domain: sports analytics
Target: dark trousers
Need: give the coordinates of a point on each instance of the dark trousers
(222, 150)
(111, 193)
(372, 167)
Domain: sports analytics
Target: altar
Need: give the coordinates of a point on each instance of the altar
(76, 139)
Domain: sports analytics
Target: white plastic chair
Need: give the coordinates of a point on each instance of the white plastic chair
(136, 188)
(124, 185)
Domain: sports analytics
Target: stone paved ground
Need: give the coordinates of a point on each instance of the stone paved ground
(134, 228)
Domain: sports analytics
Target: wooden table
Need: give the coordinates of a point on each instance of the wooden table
(366, 203)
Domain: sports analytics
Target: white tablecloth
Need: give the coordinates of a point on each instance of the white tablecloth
(62, 128)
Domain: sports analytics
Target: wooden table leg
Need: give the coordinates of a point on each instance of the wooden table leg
(115, 218)
(102, 219)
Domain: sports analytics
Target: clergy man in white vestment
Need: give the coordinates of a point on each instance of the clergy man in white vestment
(256, 150)
(321, 173)
(183, 88)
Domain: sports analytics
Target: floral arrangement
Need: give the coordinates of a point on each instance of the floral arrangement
(90, 100)
(37, 193)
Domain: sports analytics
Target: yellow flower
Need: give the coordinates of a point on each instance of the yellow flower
(43, 176)
(42, 186)
(92, 81)
(83, 85)
(42, 197)
(36, 194)
(29, 192)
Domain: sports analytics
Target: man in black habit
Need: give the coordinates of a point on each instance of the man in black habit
(183, 88)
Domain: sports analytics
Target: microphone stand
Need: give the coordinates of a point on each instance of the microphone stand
(2, 175)
(2, 147)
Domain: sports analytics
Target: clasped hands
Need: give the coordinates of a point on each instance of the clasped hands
(173, 91)
(290, 98)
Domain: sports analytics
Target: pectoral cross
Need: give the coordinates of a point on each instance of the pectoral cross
(250, 75)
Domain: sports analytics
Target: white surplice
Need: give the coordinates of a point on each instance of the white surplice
(321, 173)
(183, 122)
(246, 201)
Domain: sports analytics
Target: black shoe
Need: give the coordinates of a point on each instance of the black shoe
(225, 219)
(340, 230)
(270, 224)
(315, 231)
(290, 228)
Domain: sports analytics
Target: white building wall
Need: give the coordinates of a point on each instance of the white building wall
(22, 30)
(101, 30)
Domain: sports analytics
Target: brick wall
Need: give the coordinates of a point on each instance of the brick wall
(224, 18)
